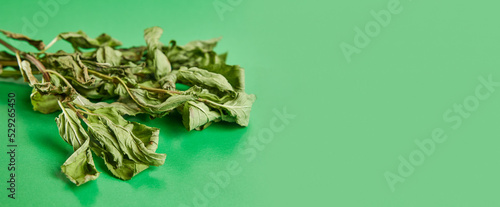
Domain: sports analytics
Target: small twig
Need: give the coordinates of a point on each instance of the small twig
(50, 44)
(8, 63)
(32, 59)
(61, 77)
(10, 47)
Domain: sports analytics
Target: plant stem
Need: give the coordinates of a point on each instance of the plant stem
(158, 90)
(155, 90)
(32, 59)
(208, 101)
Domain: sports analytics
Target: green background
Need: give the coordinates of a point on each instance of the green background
(353, 120)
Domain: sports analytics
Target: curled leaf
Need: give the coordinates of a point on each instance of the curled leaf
(28, 73)
(234, 74)
(38, 44)
(107, 54)
(157, 106)
(79, 168)
(238, 109)
(69, 65)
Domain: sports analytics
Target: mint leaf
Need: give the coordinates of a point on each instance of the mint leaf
(156, 58)
(38, 44)
(79, 168)
(127, 147)
(107, 54)
(203, 78)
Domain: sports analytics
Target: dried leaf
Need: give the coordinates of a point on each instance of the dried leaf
(79, 167)
(204, 78)
(197, 115)
(107, 54)
(81, 40)
(156, 58)
(38, 44)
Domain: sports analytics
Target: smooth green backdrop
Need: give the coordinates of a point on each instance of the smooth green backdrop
(353, 120)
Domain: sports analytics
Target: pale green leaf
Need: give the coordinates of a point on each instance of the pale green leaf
(38, 44)
(109, 55)
(234, 74)
(125, 146)
(81, 40)
(46, 103)
(161, 107)
(79, 167)
(156, 58)
(197, 115)
(127, 108)
(203, 78)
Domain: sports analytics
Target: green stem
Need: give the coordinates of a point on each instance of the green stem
(209, 102)
(112, 78)
(128, 91)
(62, 78)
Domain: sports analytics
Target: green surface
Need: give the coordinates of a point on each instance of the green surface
(353, 119)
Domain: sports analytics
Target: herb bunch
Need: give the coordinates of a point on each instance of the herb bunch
(100, 83)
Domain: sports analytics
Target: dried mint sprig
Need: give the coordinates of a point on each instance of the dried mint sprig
(101, 85)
